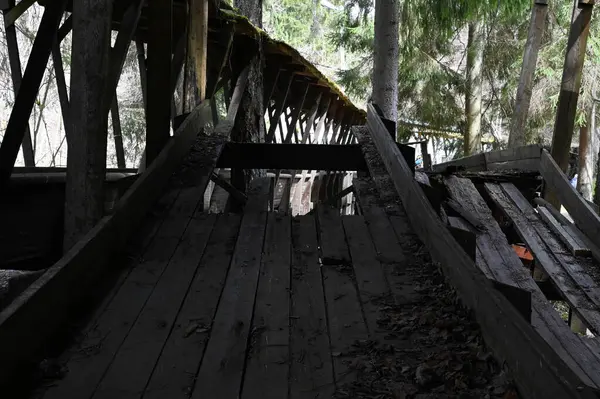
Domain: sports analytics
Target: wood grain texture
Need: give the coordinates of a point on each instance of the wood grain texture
(131, 368)
(175, 372)
(311, 372)
(372, 286)
(334, 250)
(581, 212)
(268, 364)
(222, 368)
(573, 244)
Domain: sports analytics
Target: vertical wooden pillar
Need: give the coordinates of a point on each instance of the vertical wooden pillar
(141, 56)
(532, 47)
(117, 133)
(61, 85)
(158, 108)
(86, 162)
(571, 82)
(194, 86)
(16, 75)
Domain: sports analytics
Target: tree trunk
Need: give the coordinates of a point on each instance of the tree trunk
(586, 162)
(537, 25)
(475, 46)
(86, 160)
(386, 61)
(571, 82)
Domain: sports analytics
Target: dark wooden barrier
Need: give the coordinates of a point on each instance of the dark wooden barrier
(538, 371)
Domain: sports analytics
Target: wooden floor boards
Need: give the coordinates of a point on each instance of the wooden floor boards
(228, 306)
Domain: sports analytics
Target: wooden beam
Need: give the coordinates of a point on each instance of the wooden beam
(61, 85)
(118, 53)
(34, 72)
(512, 340)
(141, 56)
(86, 162)
(295, 116)
(65, 28)
(292, 156)
(579, 209)
(15, 72)
(158, 115)
(15, 12)
(117, 132)
(197, 43)
(224, 184)
(571, 82)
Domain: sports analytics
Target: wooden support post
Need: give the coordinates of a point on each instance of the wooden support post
(86, 163)
(571, 82)
(295, 116)
(158, 116)
(16, 75)
(194, 87)
(25, 98)
(537, 26)
(61, 85)
(117, 133)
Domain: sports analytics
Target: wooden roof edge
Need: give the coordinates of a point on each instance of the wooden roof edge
(244, 26)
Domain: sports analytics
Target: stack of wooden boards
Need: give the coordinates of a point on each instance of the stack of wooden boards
(494, 215)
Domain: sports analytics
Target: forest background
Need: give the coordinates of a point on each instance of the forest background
(337, 36)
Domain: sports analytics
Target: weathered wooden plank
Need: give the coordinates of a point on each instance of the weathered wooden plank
(117, 133)
(574, 245)
(532, 164)
(581, 212)
(334, 250)
(514, 154)
(175, 372)
(539, 372)
(132, 366)
(370, 279)
(472, 163)
(268, 362)
(548, 253)
(311, 372)
(578, 268)
(222, 367)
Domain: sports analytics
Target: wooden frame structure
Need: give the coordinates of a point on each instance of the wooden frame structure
(302, 108)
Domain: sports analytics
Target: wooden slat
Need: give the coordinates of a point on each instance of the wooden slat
(131, 367)
(311, 372)
(549, 254)
(370, 279)
(575, 246)
(581, 212)
(222, 367)
(472, 163)
(268, 362)
(537, 369)
(334, 250)
(514, 154)
(521, 164)
(175, 373)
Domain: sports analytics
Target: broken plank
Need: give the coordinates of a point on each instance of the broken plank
(268, 362)
(575, 246)
(372, 286)
(131, 368)
(334, 250)
(222, 367)
(176, 369)
(554, 262)
(311, 372)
